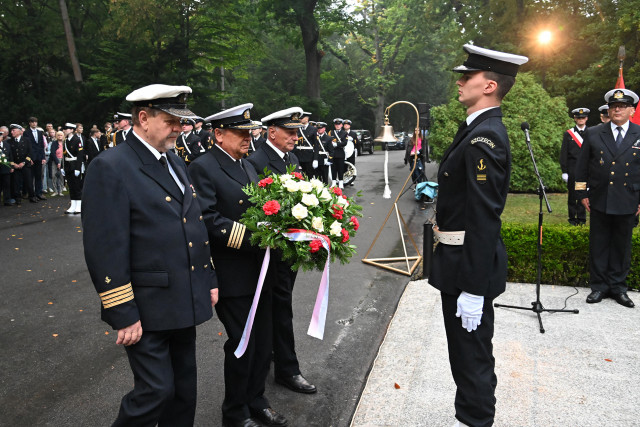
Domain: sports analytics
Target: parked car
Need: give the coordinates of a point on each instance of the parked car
(401, 143)
(366, 141)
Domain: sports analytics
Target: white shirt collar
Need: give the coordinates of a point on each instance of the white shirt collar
(471, 117)
(581, 128)
(155, 152)
(276, 149)
(230, 156)
(625, 127)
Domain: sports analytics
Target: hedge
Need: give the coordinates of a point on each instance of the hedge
(565, 254)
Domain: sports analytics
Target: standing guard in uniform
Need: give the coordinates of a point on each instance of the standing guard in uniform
(325, 153)
(22, 153)
(202, 133)
(6, 171)
(105, 137)
(256, 138)
(608, 183)
(275, 155)
(146, 249)
(470, 260)
(339, 141)
(306, 148)
(604, 113)
(219, 176)
(123, 121)
(352, 137)
(569, 152)
(73, 166)
(189, 145)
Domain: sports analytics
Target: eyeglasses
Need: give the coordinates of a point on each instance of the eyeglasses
(618, 106)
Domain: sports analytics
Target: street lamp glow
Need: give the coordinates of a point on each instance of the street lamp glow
(544, 37)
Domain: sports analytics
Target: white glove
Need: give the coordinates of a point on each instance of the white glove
(62, 172)
(470, 310)
(76, 173)
(81, 168)
(315, 164)
(565, 177)
(326, 162)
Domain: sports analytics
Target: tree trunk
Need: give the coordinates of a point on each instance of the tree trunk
(75, 64)
(310, 34)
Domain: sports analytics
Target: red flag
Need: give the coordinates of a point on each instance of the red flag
(636, 116)
(620, 82)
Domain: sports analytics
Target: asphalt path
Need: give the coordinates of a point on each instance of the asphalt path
(60, 364)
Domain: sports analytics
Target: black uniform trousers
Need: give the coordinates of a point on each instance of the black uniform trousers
(610, 251)
(5, 187)
(337, 168)
(36, 172)
(282, 279)
(307, 168)
(22, 182)
(472, 364)
(245, 376)
(74, 182)
(165, 380)
(577, 212)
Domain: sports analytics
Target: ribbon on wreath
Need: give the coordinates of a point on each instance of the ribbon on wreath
(319, 316)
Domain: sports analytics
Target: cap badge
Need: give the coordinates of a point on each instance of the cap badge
(618, 94)
(581, 111)
(295, 116)
(247, 115)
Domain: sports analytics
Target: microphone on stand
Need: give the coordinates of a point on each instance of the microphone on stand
(525, 127)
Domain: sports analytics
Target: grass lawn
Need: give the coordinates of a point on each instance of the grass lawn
(524, 208)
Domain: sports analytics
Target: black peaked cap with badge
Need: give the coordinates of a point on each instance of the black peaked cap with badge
(238, 117)
(624, 96)
(288, 118)
(580, 112)
(482, 59)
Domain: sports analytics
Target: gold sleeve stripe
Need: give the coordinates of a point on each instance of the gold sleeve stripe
(117, 296)
(581, 186)
(235, 238)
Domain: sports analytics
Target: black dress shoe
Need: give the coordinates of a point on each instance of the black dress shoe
(41, 197)
(9, 203)
(623, 299)
(269, 417)
(596, 296)
(226, 422)
(33, 200)
(297, 383)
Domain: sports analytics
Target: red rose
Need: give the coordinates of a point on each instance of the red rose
(315, 245)
(337, 191)
(264, 182)
(345, 235)
(298, 175)
(355, 223)
(338, 212)
(271, 207)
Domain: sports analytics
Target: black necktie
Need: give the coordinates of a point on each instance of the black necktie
(286, 158)
(619, 137)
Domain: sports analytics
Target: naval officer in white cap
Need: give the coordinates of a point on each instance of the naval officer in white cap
(147, 251)
(470, 261)
(569, 152)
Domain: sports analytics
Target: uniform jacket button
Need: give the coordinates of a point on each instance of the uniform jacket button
(240, 201)
(446, 174)
(200, 218)
(192, 268)
(168, 199)
(184, 220)
(190, 244)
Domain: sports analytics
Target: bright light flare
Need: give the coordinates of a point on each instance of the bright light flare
(545, 37)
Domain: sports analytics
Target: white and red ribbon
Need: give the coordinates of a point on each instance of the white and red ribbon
(319, 316)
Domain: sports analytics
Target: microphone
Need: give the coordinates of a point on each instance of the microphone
(525, 127)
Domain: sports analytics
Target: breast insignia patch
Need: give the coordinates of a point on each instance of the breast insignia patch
(481, 171)
(489, 143)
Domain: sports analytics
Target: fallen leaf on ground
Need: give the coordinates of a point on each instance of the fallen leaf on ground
(396, 385)
(73, 281)
(55, 335)
(40, 281)
(50, 303)
(106, 332)
(608, 360)
(220, 333)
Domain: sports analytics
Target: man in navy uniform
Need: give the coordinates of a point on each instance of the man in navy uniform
(275, 155)
(604, 113)
(338, 141)
(569, 152)
(147, 251)
(73, 160)
(188, 144)
(219, 176)
(256, 138)
(470, 260)
(325, 153)
(37, 140)
(306, 149)
(201, 132)
(6, 170)
(608, 183)
(22, 153)
(123, 121)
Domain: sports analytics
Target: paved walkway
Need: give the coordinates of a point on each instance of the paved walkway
(584, 371)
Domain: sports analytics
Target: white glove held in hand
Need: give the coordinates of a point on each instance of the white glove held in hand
(565, 177)
(76, 173)
(470, 310)
(315, 164)
(326, 162)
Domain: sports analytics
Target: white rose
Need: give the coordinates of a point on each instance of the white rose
(310, 200)
(335, 229)
(291, 185)
(342, 201)
(299, 211)
(317, 184)
(305, 186)
(285, 177)
(316, 223)
(325, 196)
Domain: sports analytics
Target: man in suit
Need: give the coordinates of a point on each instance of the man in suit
(569, 152)
(306, 149)
(470, 261)
(93, 146)
(37, 140)
(22, 154)
(338, 141)
(157, 282)
(74, 159)
(219, 176)
(275, 155)
(608, 184)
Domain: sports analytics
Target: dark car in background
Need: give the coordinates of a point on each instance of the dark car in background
(366, 141)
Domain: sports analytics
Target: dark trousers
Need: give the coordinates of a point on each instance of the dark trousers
(36, 170)
(165, 380)
(244, 378)
(337, 168)
(472, 364)
(577, 212)
(5, 187)
(610, 251)
(307, 168)
(22, 182)
(75, 185)
(282, 279)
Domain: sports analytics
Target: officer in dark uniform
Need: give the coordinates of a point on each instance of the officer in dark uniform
(124, 127)
(275, 155)
(73, 156)
(219, 176)
(569, 152)
(306, 148)
(204, 134)
(22, 153)
(147, 251)
(105, 137)
(256, 138)
(189, 145)
(338, 141)
(608, 183)
(325, 153)
(470, 261)
(604, 113)
(6, 170)
(93, 146)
